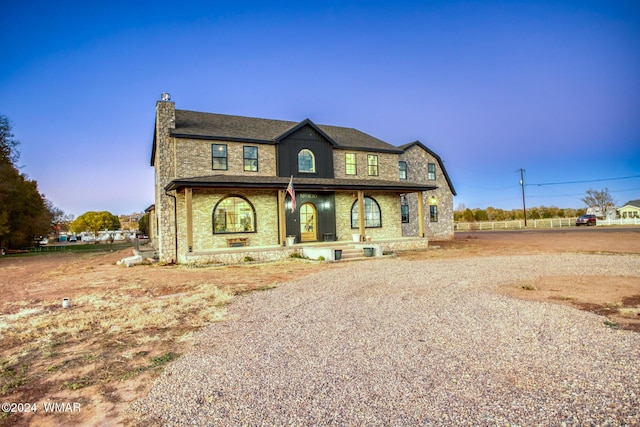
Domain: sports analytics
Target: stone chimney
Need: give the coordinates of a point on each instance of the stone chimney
(165, 113)
(165, 171)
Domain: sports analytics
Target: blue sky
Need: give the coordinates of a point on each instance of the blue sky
(552, 87)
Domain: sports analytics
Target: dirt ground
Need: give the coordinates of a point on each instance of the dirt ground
(45, 280)
(616, 297)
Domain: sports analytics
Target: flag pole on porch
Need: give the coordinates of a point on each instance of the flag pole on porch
(292, 193)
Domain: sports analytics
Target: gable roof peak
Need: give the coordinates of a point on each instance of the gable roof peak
(300, 125)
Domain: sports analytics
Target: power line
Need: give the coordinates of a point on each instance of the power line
(589, 180)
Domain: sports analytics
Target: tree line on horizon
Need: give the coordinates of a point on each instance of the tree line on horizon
(598, 199)
(462, 214)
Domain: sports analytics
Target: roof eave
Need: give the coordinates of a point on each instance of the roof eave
(400, 188)
(221, 138)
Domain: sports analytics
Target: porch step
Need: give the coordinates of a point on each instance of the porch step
(351, 252)
(348, 253)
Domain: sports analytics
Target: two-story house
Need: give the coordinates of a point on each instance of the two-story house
(221, 181)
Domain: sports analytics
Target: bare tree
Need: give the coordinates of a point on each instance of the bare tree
(599, 199)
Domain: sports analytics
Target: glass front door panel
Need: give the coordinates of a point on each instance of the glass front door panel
(308, 225)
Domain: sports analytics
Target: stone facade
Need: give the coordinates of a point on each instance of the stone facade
(387, 165)
(193, 158)
(164, 161)
(389, 212)
(204, 201)
(418, 158)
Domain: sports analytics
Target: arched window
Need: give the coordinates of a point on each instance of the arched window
(306, 161)
(234, 214)
(372, 216)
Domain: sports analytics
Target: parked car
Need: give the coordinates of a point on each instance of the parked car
(72, 239)
(586, 220)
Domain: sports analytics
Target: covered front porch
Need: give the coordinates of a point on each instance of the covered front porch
(217, 215)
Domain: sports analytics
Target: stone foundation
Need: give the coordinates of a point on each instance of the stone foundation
(278, 253)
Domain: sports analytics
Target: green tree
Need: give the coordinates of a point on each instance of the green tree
(24, 215)
(468, 215)
(548, 212)
(480, 215)
(8, 144)
(95, 221)
(143, 224)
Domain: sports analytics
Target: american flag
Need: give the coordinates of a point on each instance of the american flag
(292, 193)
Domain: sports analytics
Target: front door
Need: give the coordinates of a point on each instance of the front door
(308, 223)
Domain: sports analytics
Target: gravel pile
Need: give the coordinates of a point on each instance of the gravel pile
(397, 343)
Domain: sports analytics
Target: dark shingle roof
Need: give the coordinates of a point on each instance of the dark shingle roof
(238, 128)
(634, 203)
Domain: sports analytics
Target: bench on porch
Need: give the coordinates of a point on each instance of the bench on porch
(234, 242)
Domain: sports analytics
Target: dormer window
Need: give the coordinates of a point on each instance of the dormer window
(306, 161)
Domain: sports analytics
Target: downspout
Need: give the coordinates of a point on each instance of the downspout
(175, 219)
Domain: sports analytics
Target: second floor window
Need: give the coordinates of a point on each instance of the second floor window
(372, 165)
(350, 163)
(306, 161)
(402, 166)
(431, 172)
(219, 157)
(250, 155)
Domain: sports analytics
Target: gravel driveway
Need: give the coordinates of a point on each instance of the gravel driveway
(397, 343)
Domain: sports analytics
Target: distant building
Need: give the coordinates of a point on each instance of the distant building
(130, 222)
(609, 213)
(631, 209)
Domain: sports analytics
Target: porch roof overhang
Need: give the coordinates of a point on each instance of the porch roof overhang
(300, 183)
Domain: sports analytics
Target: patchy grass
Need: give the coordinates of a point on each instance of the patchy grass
(103, 337)
(611, 324)
(72, 248)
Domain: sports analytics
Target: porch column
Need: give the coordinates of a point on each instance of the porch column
(420, 215)
(188, 196)
(361, 214)
(282, 222)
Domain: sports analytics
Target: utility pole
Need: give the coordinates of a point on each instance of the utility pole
(524, 207)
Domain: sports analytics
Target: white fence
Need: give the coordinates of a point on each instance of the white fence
(619, 221)
(536, 223)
